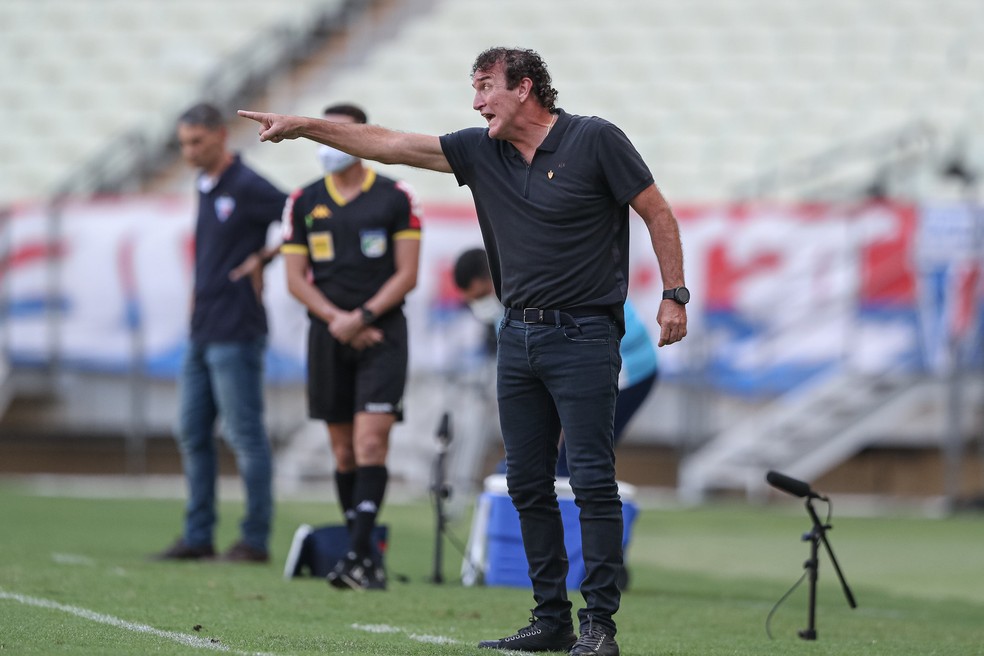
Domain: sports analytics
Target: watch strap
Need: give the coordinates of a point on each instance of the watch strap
(680, 295)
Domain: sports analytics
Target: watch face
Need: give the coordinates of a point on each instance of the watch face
(682, 295)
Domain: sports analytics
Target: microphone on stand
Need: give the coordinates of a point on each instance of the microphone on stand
(444, 429)
(816, 537)
(792, 486)
(440, 490)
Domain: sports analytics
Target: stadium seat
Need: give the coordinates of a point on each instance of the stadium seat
(772, 76)
(129, 63)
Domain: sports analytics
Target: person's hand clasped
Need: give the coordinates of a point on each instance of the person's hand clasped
(273, 127)
(368, 336)
(347, 328)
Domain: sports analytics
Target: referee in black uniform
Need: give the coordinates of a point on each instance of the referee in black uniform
(351, 248)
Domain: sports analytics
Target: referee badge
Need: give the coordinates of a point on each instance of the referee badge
(321, 246)
(373, 242)
(224, 207)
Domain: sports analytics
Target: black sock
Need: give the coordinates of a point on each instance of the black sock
(345, 485)
(370, 487)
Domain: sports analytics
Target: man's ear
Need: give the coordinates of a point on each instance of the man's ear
(525, 88)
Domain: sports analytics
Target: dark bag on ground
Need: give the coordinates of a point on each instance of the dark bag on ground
(315, 551)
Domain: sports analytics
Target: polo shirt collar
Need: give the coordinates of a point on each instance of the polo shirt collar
(552, 142)
(207, 183)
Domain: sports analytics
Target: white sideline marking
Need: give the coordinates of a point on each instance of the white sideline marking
(181, 638)
(377, 628)
(386, 628)
(433, 640)
(72, 559)
(428, 639)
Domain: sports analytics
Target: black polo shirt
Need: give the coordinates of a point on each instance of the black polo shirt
(349, 244)
(556, 230)
(234, 213)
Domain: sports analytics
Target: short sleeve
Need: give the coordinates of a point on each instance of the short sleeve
(409, 223)
(623, 167)
(459, 148)
(294, 230)
(266, 201)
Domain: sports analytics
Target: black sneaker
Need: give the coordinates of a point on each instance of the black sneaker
(345, 568)
(355, 573)
(376, 577)
(595, 642)
(535, 637)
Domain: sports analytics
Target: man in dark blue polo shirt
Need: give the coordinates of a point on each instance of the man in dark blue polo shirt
(222, 374)
(552, 192)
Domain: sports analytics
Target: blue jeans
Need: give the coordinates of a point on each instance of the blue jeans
(551, 376)
(225, 379)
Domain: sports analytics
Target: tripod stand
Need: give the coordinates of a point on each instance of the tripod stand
(815, 536)
(441, 491)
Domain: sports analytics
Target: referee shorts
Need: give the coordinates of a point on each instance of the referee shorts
(342, 381)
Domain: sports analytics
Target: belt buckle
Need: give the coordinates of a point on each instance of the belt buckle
(532, 315)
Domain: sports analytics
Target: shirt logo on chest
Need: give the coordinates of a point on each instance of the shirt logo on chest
(373, 242)
(224, 207)
(320, 211)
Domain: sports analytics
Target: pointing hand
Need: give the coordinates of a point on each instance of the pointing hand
(274, 127)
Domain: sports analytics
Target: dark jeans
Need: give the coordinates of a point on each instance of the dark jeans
(553, 376)
(629, 400)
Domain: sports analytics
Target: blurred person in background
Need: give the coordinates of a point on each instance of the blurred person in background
(222, 373)
(351, 249)
(552, 192)
(639, 372)
(474, 280)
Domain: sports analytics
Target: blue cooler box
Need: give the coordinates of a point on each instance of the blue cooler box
(495, 551)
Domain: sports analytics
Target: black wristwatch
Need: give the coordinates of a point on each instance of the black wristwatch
(368, 316)
(679, 294)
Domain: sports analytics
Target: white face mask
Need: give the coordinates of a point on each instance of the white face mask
(487, 309)
(334, 160)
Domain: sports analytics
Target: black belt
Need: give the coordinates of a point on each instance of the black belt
(557, 317)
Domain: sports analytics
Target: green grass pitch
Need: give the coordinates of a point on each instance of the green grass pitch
(74, 579)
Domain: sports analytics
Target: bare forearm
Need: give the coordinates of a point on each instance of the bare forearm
(268, 253)
(665, 236)
(364, 141)
(664, 233)
(395, 289)
(380, 144)
(312, 298)
(392, 293)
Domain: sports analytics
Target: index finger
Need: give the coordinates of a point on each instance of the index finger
(256, 116)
